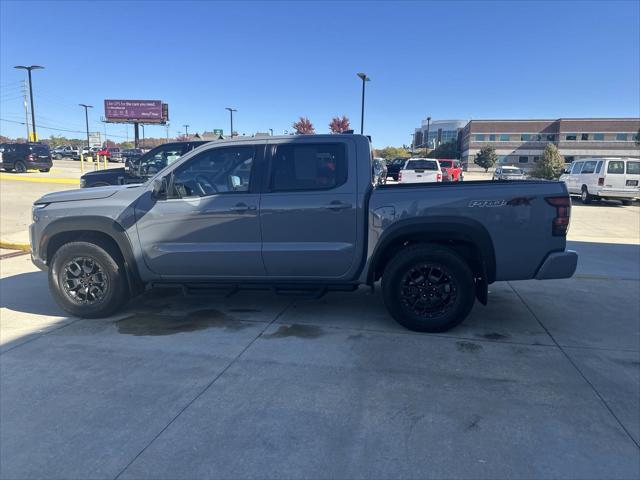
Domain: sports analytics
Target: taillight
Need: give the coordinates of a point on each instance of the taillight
(601, 181)
(560, 224)
(438, 177)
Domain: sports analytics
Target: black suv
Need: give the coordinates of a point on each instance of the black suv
(20, 157)
(137, 170)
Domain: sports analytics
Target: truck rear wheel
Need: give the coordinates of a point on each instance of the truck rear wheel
(428, 288)
(585, 197)
(87, 281)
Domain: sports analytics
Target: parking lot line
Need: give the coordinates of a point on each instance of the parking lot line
(66, 181)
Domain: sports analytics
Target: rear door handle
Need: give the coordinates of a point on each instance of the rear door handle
(242, 207)
(337, 205)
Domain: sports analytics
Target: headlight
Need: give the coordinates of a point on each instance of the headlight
(35, 209)
(83, 183)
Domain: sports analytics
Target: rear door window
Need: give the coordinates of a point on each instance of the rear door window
(308, 166)
(633, 168)
(590, 166)
(576, 167)
(615, 167)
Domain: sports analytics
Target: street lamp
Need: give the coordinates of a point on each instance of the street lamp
(426, 143)
(33, 115)
(231, 110)
(186, 130)
(413, 141)
(364, 78)
(86, 119)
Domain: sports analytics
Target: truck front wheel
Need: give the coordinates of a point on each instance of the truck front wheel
(87, 281)
(428, 288)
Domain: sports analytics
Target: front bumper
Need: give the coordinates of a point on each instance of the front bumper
(36, 259)
(558, 265)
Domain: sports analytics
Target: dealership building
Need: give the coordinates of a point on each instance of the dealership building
(440, 131)
(521, 142)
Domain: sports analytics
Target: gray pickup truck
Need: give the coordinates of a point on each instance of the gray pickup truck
(300, 213)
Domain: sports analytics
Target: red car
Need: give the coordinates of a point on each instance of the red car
(112, 153)
(451, 170)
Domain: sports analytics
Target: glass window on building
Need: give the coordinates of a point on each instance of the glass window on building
(569, 159)
(538, 137)
(598, 136)
(636, 137)
(523, 159)
(584, 137)
(479, 137)
(535, 159)
(551, 138)
(492, 138)
(525, 137)
(621, 137)
(504, 137)
(571, 136)
(503, 159)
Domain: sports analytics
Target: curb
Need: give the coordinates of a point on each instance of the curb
(25, 247)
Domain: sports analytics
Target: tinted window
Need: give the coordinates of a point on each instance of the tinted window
(525, 137)
(551, 138)
(621, 137)
(160, 157)
(479, 138)
(598, 136)
(599, 167)
(511, 170)
(584, 136)
(633, 168)
(589, 167)
(576, 167)
(308, 167)
(615, 167)
(446, 163)
(523, 159)
(571, 136)
(492, 138)
(421, 165)
(504, 137)
(218, 170)
(39, 149)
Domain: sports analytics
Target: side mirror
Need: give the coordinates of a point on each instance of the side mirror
(160, 188)
(236, 182)
(567, 170)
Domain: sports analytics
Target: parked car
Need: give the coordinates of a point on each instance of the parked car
(20, 157)
(604, 178)
(420, 170)
(139, 169)
(508, 173)
(379, 171)
(304, 215)
(113, 154)
(451, 170)
(130, 154)
(65, 151)
(394, 167)
(90, 152)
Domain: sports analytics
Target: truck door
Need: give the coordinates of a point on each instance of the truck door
(308, 209)
(208, 226)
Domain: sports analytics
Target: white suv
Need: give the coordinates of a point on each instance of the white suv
(604, 178)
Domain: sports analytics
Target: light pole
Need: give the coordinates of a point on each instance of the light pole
(271, 131)
(413, 141)
(426, 143)
(186, 131)
(86, 119)
(33, 114)
(231, 110)
(365, 79)
(142, 125)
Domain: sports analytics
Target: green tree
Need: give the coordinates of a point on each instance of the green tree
(550, 165)
(486, 158)
(389, 153)
(445, 150)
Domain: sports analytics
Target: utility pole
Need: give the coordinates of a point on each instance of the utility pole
(426, 142)
(271, 131)
(86, 119)
(231, 110)
(413, 141)
(142, 134)
(365, 79)
(26, 108)
(186, 131)
(105, 132)
(167, 125)
(33, 113)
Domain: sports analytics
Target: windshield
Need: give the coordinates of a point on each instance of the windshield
(512, 170)
(158, 158)
(422, 165)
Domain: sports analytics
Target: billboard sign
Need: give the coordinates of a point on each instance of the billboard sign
(143, 111)
(95, 139)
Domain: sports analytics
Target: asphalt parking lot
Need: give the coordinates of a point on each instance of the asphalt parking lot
(544, 382)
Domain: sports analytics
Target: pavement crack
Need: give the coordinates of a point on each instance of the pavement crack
(575, 366)
(201, 392)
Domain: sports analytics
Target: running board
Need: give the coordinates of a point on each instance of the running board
(313, 291)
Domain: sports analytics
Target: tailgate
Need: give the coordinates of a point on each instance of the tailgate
(419, 176)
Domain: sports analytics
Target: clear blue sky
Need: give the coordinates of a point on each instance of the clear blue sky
(277, 61)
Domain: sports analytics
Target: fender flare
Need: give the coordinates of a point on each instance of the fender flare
(440, 228)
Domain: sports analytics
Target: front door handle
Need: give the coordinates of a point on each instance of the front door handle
(337, 205)
(242, 207)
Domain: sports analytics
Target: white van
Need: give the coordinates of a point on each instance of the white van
(604, 178)
(420, 170)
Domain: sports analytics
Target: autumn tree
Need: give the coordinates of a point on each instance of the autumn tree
(303, 126)
(339, 124)
(550, 165)
(486, 158)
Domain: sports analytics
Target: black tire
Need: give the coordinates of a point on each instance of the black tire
(19, 167)
(458, 291)
(585, 197)
(627, 203)
(99, 301)
(44, 170)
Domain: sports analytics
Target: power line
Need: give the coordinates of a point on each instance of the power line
(54, 128)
